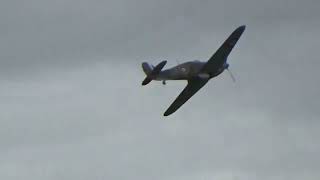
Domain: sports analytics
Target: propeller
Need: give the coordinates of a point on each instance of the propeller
(231, 75)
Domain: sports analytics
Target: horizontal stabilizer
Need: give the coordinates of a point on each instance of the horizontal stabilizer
(147, 68)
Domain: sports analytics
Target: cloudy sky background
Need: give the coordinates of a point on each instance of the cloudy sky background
(72, 105)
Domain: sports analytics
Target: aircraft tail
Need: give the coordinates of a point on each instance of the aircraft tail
(152, 72)
(147, 68)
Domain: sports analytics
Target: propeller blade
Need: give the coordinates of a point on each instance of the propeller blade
(231, 75)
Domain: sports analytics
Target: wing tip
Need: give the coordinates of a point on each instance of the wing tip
(167, 113)
(241, 28)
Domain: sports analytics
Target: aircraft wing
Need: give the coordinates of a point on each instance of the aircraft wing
(194, 85)
(220, 56)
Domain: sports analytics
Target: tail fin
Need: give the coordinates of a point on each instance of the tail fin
(152, 73)
(147, 68)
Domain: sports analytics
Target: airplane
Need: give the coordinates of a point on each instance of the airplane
(197, 73)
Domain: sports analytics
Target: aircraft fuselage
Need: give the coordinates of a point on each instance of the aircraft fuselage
(185, 71)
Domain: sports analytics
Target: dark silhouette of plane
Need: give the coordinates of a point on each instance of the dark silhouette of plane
(197, 73)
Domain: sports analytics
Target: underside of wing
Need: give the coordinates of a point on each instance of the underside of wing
(220, 56)
(193, 86)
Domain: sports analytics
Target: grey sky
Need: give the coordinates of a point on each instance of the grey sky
(72, 106)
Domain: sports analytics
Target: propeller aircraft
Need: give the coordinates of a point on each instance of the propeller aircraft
(197, 73)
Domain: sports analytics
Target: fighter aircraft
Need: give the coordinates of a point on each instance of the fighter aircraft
(197, 73)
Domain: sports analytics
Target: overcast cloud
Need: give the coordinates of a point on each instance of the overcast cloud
(72, 106)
